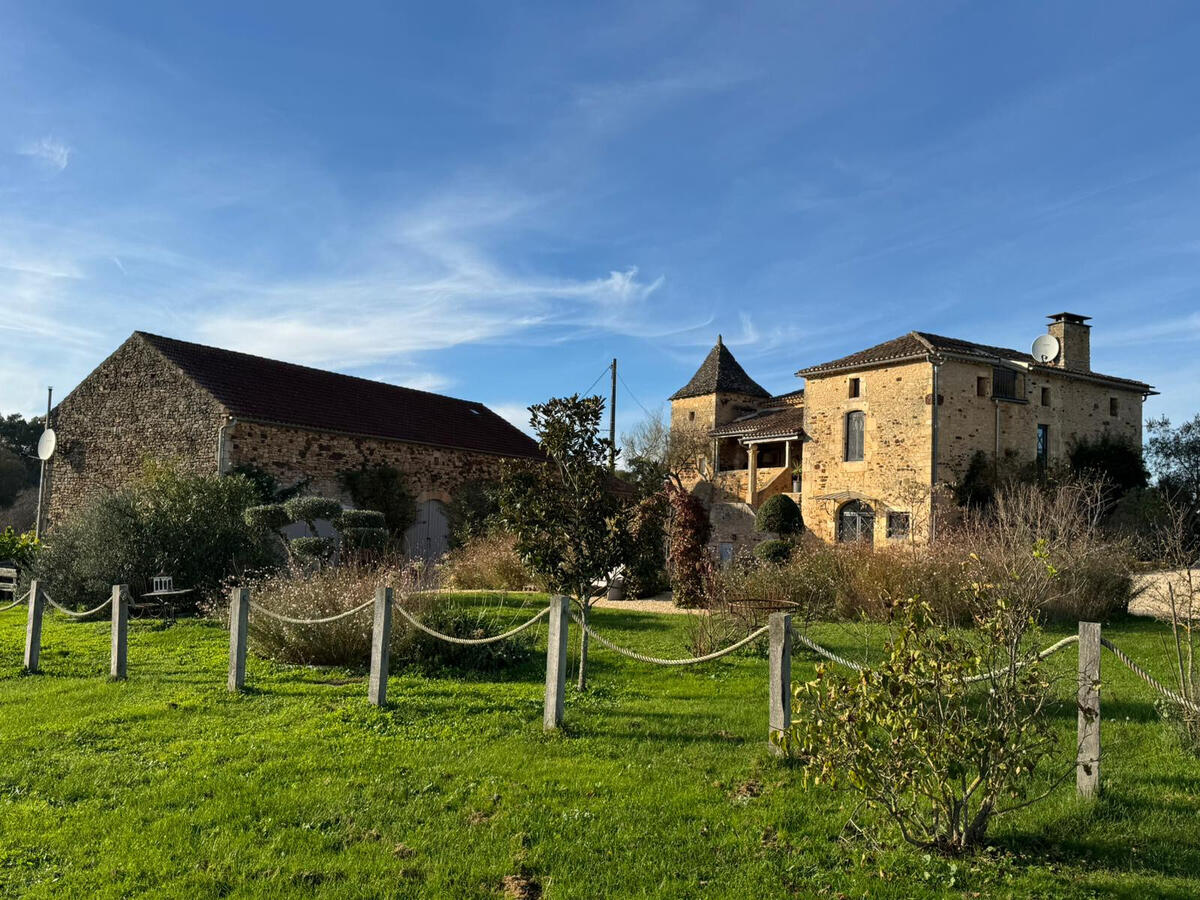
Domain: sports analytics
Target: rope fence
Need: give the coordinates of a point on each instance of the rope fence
(280, 617)
(1141, 673)
(559, 613)
(472, 642)
(657, 661)
(16, 602)
(72, 613)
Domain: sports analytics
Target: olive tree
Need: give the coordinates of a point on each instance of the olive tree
(570, 523)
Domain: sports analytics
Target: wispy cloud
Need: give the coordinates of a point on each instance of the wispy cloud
(428, 281)
(49, 151)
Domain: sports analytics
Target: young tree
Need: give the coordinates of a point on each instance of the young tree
(658, 452)
(570, 525)
(1174, 456)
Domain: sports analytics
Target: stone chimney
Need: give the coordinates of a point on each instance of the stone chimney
(1074, 341)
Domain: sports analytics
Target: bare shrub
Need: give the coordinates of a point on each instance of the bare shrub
(1177, 589)
(326, 592)
(488, 562)
(1081, 572)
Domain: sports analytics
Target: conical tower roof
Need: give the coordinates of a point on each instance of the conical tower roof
(720, 373)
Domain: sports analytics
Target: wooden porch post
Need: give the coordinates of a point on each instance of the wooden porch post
(752, 490)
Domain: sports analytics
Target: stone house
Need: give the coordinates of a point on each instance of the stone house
(209, 411)
(867, 440)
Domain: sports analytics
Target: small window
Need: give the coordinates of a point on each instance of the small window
(855, 388)
(1112, 406)
(981, 386)
(1005, 384)
(1043, 447)
(1045, 396)
(855, 425)
(898, 524)
(692, 416)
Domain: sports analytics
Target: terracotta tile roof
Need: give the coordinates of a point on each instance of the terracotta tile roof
(252, 387)
(919, 344)
(720, 372)
(766, 423)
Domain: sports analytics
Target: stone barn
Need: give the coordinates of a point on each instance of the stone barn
(209, 410)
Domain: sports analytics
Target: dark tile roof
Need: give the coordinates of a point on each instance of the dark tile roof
(267, 390)
(918, 344)
(765, 423)
(908, 346)
(720, 372)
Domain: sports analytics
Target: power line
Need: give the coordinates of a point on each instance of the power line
(603, 372)
(634, 396)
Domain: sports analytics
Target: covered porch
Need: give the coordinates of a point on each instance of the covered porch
(759, 455)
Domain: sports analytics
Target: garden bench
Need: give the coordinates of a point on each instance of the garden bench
(10, 577)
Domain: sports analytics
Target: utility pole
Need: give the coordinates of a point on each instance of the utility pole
(37, 522)
(612, 421)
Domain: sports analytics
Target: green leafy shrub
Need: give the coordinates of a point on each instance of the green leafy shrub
(385, 489)
(20, 548)
(938, 757)
(488, 562)
(774, 552)
(646, 570)
(779, 515)
(472, 511)
(1115, 461)
(190, 526)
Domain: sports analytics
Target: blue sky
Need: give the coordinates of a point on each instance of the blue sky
(492, 200)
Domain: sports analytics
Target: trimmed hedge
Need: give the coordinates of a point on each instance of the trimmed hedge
(779, 516)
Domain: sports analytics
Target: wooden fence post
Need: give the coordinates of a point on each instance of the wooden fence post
(779, 678)
(380, 647)
(556, 663)
(239, 623)
(33, 627)
(1087, 772)
(120, 631)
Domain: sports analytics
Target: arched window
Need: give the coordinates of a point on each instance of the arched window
(856, 522)
(855, 424)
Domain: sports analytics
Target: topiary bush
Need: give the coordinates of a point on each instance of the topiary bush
(383, 488)
(360, 518)
(779, 515)
(364, 539)
(310, 509)
(271, 517)
(314, 548)
(774, 552)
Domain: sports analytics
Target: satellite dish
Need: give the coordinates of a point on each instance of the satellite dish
(46, 444)
(1045, 348)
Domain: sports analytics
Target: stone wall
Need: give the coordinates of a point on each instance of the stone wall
(895, 470)
(1075, 408)
(135, 406)
(291, 454)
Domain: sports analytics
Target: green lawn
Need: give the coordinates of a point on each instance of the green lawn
(167, 786)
